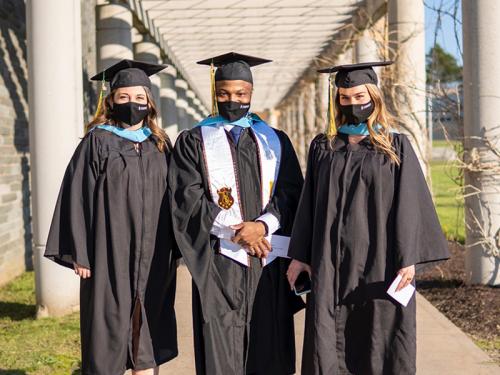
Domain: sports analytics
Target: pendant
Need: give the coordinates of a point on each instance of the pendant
(226, 200)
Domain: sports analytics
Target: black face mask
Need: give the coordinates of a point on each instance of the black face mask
(357, 113)
(233, 111)
(130, 113)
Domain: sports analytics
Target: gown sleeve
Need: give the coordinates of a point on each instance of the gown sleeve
(71, 234)
(418, 235)
(193, 214)
(301, 240)
(283, 204)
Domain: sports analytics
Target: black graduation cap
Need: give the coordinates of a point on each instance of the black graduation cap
(127, 73)
(233, 66)
(355, 74)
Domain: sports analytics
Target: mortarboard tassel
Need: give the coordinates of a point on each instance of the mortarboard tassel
(100, 100)
(215, 110)
(332, 128)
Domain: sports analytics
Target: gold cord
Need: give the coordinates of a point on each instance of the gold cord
(332, 128)
(215, 110)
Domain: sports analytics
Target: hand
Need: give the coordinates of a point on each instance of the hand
(248, 233)
(407, 275)
(81, 271)
(294, 270)
(261, 249)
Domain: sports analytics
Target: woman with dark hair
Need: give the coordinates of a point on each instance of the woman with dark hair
(112, 226)
(365, 221)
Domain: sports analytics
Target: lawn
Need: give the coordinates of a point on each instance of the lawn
(35, 346)
(449, 203)
(444, 143)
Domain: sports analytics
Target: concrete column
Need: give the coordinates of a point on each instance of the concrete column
(114, 34)
(190, 110)
(321, 102)
(345, 57)
(290, 123)
(168, 97)
(481, 83)
(55, 79)
(148, 51)
(309, 114)
(408, 97)
(274, 118)
(198, 107)
(301, 125)
(181, 102)
(365, 48)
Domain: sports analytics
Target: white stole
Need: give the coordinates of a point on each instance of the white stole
(221, 169)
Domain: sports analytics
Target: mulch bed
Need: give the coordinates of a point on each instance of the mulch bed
(475, 309)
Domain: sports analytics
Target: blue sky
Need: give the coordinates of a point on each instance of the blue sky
(446, 35)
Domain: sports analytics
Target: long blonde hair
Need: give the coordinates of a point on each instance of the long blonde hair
(380, 138)
(104, 117)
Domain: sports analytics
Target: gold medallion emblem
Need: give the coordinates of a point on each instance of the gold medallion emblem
(226, 200)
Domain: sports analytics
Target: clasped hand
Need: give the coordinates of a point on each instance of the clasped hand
(250, 235)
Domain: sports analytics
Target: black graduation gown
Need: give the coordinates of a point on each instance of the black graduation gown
(224, 310)
(360, 219)
(113, 216)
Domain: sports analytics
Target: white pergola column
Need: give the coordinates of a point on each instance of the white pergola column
(481, 85)
(148, 51)
(55, 79)
(321, 102)
(181, 103)
(190, 108)
(197, 108)
(114, 34)
(168, 97)
(407, 44)
(301, 128)
(309, 114)
(365, 48)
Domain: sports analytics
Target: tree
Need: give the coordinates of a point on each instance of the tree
(442, 66)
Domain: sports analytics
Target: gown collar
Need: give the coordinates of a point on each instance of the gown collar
(137, 136)
(244, 122)
(356, 129)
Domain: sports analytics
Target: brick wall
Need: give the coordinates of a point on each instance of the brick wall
(15, 221)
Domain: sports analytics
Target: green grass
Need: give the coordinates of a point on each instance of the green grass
(449, 203)
(35, 346)
(444, 143)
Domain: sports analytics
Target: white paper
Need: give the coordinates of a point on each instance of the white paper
(279, 245)
(404, 295)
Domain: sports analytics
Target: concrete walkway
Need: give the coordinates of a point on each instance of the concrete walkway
(442, 348)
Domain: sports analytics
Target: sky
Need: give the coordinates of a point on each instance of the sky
(444, 34)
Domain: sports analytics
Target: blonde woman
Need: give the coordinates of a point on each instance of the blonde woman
(365, 218)
(112, 226)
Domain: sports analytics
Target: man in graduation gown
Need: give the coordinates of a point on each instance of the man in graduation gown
(112, 223)
(235, 179)
(362, 220)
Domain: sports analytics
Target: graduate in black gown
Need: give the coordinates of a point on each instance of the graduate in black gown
(112, 225)
(242, 311)
(364, 217)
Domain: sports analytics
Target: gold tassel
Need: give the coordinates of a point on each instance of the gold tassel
(332, 128)
(215, 110)
(100, 100)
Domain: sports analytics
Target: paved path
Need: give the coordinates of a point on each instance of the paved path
(442, 348)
